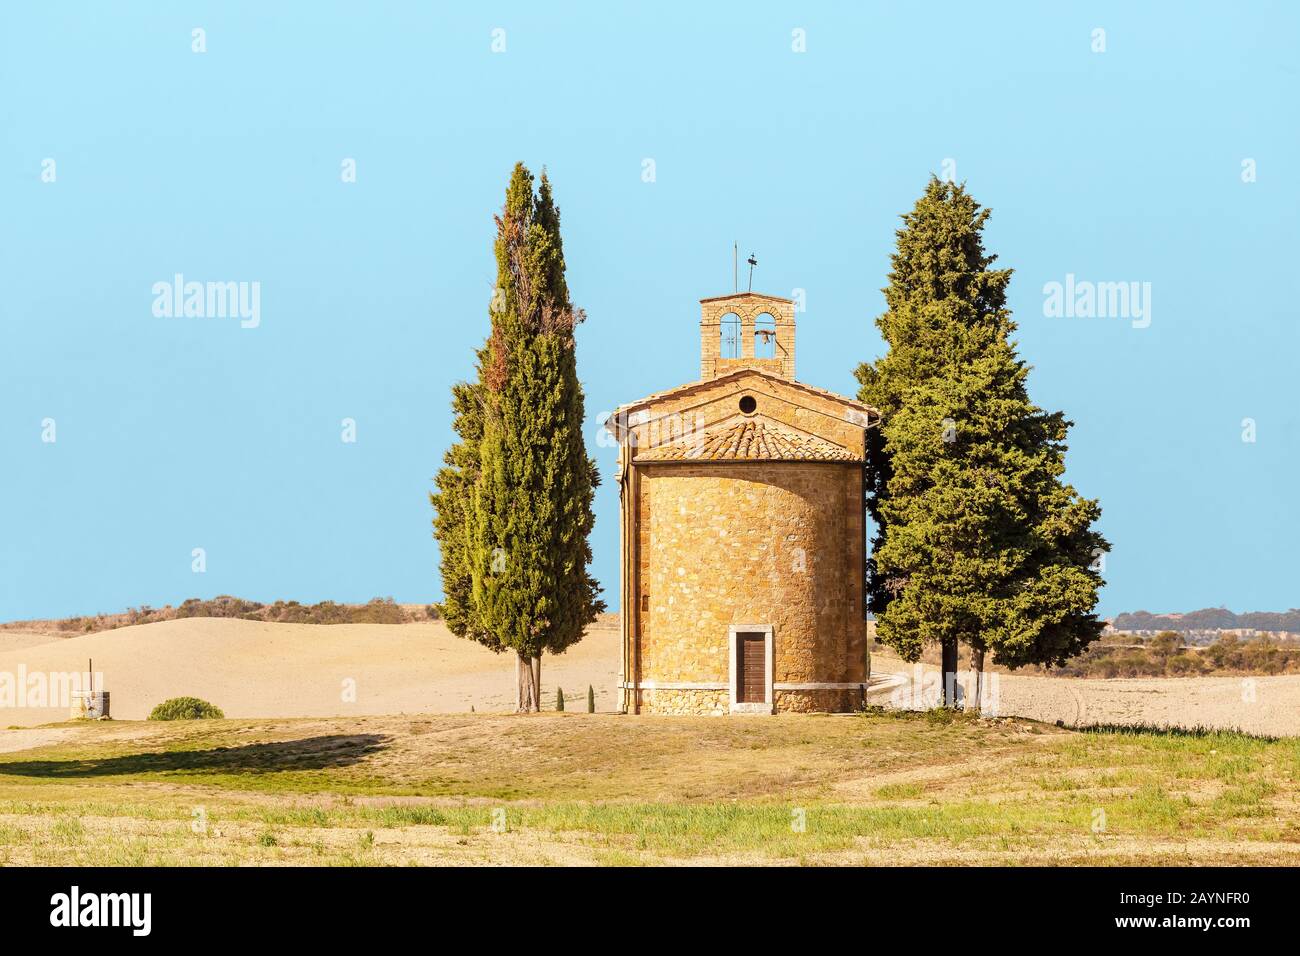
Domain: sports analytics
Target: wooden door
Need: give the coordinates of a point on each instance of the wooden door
(751, 667)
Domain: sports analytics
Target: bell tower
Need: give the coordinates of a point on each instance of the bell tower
(746, 330)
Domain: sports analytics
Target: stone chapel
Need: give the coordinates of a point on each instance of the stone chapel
(743, 535)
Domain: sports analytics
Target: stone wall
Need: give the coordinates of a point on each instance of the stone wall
(713, 703)
(777, 543)
(819, 701)
(716, 703)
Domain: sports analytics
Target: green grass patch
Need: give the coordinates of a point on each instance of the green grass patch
(900, 791)
(625, 791)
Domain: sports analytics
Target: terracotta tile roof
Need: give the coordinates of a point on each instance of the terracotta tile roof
(752, 439)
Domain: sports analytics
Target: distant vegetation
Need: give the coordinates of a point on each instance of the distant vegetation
(375, 611)
(1210, 619)
(186, 708)
(1167, 655)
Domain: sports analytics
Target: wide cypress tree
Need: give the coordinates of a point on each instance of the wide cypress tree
(978, 540)
(527, 544)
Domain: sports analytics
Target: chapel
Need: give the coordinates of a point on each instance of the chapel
(743, 534)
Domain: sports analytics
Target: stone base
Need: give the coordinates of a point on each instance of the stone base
(702, 702)
(717, 703)
(819, 701)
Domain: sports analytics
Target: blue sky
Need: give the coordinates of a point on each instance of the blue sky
(181, 433)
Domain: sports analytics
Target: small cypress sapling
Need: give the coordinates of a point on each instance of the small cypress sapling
(559, 698)
(591, 700)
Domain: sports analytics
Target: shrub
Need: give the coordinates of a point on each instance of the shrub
(591, 700)
(143, 614)
(186, 708)
(1184, 663)
(223, 605)
(559, 698)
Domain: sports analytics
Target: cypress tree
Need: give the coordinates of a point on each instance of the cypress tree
(559, 698)
(978, 540)
(527, 545)
(453, 512)
(591, 699)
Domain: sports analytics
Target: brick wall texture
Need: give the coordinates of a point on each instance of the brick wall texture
(772, 543)
(768, 539)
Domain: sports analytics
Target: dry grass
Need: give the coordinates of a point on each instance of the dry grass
(574, 788)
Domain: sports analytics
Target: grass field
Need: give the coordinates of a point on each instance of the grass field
(879, 788)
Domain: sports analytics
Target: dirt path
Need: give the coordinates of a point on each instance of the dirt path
(12, 741)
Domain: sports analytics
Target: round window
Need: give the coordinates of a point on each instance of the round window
(747, 404)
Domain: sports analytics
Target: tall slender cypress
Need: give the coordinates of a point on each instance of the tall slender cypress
(514, 504)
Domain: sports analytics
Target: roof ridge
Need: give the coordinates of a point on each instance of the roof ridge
(748, 439)
(746, 370)
(750, 294)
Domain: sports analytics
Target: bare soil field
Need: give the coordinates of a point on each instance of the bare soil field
(260, 669)
(1258, 705)
(257, 669)
(17, 639)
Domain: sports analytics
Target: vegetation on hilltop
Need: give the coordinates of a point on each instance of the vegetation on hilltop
(375, 611)
(1166, 654)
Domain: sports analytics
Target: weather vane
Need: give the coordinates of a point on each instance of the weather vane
(752, 262)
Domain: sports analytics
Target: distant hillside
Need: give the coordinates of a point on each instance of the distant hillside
(258, 668)
(1210, 619)
(375, 611)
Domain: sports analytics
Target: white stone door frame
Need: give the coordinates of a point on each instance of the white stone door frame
(769, 656)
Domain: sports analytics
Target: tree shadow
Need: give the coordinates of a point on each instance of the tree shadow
(310, 753)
